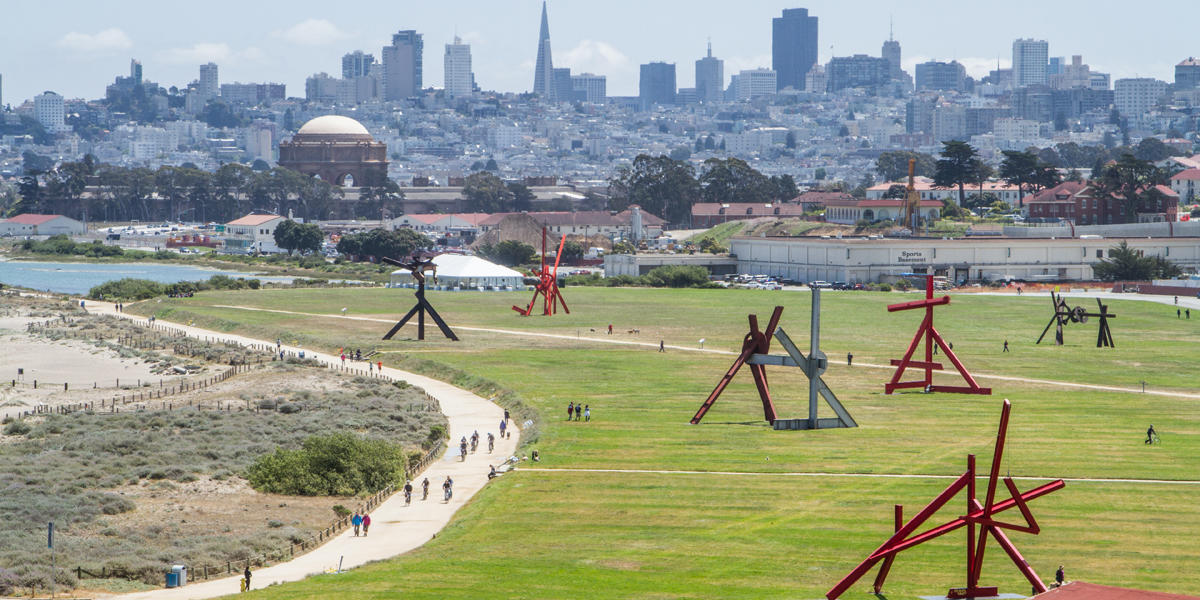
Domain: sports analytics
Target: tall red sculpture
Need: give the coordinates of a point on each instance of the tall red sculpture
(755, 342)
(547, 285)
(931, 337)
(980, 522)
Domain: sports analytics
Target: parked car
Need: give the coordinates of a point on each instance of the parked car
(819, 284)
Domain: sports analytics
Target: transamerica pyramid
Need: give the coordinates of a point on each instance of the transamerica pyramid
(543, 77)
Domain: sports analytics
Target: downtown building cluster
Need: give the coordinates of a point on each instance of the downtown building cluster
(818, 122)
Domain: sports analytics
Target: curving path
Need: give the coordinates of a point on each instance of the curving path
(398, 528)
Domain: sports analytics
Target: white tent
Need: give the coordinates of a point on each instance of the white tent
(462, 271)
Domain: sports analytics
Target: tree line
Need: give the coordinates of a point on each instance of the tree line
(668, 187)
(89, 191)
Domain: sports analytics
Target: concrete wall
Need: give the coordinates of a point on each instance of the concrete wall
(1177, 229)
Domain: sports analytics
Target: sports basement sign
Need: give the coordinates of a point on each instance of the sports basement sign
(911, 256)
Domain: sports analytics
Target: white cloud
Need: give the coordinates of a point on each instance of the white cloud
(109, 39)
(591, 56)
(198, 53)
(312, 32)
(473, 38)
(737, 64)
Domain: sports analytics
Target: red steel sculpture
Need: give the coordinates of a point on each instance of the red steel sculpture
(931, 337)
(980, 522)
(547, 285)
(755, 342)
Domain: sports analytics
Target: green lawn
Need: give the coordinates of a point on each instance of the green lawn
(567, 534)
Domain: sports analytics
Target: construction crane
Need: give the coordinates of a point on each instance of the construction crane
(912, 200)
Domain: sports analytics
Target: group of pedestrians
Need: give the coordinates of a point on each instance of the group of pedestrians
(578, 411)
(361, 521)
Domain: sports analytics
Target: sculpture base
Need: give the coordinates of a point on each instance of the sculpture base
(993, 596)
(828, 423)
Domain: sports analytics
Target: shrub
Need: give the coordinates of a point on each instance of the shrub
(18, 427)
(289, 408)
(340, 464)
(340, 510)
(128, 288)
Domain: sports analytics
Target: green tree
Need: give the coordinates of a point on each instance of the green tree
(1131, 182)
(1019, 169)
(486, 193)
(659, 185)
(732, 180)
(512, 253)
(1152, 149)
(307, 238)
(819, 174)
(893, 166)
(1126, 264)
(380, 243)
(783, 188)
(285, 235)
(572, 251)
(956, 167)
(522, 197)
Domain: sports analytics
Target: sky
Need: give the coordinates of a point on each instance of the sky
(77, 47)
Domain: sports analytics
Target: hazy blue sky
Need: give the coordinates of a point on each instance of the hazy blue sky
(76, 47)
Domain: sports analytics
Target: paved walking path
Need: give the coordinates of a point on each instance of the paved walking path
(398, 528)
(606, 340)
(858, 475)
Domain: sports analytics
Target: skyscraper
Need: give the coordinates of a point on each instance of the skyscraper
(1187, 74)
(593, 87)
(402, 65)
(135, 71)
(891, 52)
(458, 69)
(710, 77)
(793, 46)
(1030, 62)
(656, 84)
(543, 76)
(941, 76)
(209, 83)
(49, 109)
(357, 64)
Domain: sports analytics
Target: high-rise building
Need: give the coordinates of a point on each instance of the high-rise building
(1030, 59)
(656, 84)
(1187, 74)
(135, 71)
(949, 122)
(941, 76)
(543, 76)
(564, 88)
(755, 83)
(815, 80)
(891, 52)
(402, 65)
(210, 84)
(1055, 65)
(357, 64)
(710, 77)
(793, 47)
(859, 70)
(1135, 96)
(50, 110)
(457, 66)
(593, 87)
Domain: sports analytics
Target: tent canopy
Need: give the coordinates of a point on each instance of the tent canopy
(465, 271)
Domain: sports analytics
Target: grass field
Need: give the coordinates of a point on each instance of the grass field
(554, 534)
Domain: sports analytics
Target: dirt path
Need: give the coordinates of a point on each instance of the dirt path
(1046, 382)
(398, 528)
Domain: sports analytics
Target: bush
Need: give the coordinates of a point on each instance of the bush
(17, 427)
(340, 464)
(126, 289)
(289, 408)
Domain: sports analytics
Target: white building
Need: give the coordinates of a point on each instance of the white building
(505, 136)
(458, 79)
(815, 80)
(50, 111)
(31, 224)
(1029, 61)
(209, 82)
(862, 260)
(1135, 96)
(1016, 129)
(252, 233)
(594, 87)
(754, 83)
(949, 122)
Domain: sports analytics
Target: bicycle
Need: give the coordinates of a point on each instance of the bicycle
(425, 489)
(407, 497)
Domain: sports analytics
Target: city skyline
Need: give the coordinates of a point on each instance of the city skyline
(85, 46)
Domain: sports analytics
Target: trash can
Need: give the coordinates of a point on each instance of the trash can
(180, 572)
(172, 580)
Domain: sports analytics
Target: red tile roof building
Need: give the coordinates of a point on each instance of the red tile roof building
(1080, 204)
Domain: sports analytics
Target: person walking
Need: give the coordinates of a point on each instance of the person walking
(1178, 314)
(503, 426)
(1006, 345)
(246, 578)
(849, 359)
(506, 415)
(356, 521)
(578, 411)
(1187, 313)
(1151, 435)
(570, 410)
(1059, 576)
(610, 329)
(366, 524)
(661, 346)
(587, 413)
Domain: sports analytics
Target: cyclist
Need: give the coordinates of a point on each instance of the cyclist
(448, 488)
(407, 492)
(474, 440)
(425, 489)
(462, 448)
(491, 442)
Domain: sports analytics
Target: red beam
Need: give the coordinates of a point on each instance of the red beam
(917, 364)
(919, 304)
